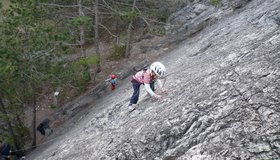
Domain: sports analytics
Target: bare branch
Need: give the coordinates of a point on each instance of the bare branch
(64, 43)
(142, 16)
(58, 5)
(41, 54)
(108, 30)
(112, 8)
(89, 9)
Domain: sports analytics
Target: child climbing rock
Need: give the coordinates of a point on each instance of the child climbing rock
(113, 81)
(147, 77)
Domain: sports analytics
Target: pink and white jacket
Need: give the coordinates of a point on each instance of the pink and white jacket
(145, 77)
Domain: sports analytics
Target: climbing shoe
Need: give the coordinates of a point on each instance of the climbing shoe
(131, 108)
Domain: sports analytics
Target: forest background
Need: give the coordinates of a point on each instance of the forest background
(50, 46)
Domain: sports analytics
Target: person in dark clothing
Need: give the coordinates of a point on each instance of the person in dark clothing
(44, 127)
(7, 153)
(5, 150)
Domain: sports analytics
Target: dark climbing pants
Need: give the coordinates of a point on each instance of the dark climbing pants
(136, 90)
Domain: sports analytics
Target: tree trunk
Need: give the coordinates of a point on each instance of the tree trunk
(9, 123)
(129, 34)
(82, 31)
(34, 142)
(97, 38)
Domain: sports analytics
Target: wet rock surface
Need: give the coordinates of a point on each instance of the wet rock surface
(222, 100)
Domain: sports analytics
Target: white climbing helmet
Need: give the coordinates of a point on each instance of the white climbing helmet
(158, 68)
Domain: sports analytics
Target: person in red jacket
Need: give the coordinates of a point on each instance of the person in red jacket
(146, 77)
(113, 81)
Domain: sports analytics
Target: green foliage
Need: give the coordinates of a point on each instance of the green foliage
(63, 35)
(162, 16)
(53, 106)
(27, 50)
(81, 20)
(118, 52)
(215, 2)
(156, 30)
(8, 139)
(22, 133)
(82, 71)
(129, 15)
(82, 77)
(159, 15)
(57, 74)
(86, 61)
(73, 28)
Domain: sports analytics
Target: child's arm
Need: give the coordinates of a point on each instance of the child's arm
(150, 91)
(159, 83)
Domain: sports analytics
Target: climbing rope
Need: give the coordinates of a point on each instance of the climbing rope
(25, 149)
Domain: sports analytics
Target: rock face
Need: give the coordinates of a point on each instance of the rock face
(222, 100)
(198, 15)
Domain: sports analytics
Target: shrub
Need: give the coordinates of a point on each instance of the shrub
(118, 52)
(157, 30)
(163, 16)
(53, 106)
(215, 2)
